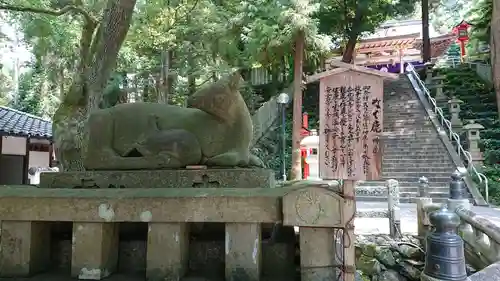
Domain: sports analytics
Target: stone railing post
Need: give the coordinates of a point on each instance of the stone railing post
(393, 207)
(423, 187)
(422, 201)
(473, 137)
(454, 108)
(445, 255)
(428, 73)
(459, 197)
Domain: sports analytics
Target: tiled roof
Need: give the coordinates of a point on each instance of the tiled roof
(17, 123)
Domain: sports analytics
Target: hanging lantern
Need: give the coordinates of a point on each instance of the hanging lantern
(462, 30)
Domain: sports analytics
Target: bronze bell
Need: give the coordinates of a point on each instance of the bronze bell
(445, 258)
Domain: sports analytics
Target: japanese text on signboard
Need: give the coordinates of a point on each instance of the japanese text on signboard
(350, 128)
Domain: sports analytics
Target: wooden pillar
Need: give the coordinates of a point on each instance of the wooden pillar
(51, 152)
(24, 248)
(349, 212)
(243, 251)
(1, 154)
(401, 61)
(26, 162)
(167, 251)
(95, 250)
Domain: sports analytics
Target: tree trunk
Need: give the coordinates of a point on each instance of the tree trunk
(296, 171)
(114, 29)
(98, 59)
(166, 75)
(495, 50)
(348, 53)
(426, 39)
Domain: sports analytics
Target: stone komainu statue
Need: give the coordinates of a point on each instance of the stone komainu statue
(214, 130)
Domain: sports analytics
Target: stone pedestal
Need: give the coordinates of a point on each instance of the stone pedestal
(317, 254)
(167, 251)
(243, 251)
(95, 250)
(185, 178)
(24, 248)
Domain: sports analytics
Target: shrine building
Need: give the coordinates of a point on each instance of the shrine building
(25, 143)
(396, 44)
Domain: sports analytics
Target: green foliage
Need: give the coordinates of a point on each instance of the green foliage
(6, 87)
(481, 14)
(337, 18)
(447, 14)
(28, 99)
(479, 105)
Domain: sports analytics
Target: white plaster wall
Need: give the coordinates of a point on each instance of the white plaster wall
(38, 159)
(14, 145)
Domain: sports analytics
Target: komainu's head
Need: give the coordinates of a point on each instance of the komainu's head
(221, 99)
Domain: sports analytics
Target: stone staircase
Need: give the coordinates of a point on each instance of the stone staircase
(412, 148)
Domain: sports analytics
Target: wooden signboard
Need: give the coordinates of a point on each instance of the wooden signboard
(351, 114)
(351, 123)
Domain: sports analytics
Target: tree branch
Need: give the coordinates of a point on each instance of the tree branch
(70, 8)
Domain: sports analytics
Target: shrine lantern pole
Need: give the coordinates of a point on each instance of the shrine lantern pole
(350, 128)
(462, 32)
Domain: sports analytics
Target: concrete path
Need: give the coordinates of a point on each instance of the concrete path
(408, 218)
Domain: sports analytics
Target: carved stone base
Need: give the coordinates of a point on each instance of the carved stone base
(186, 178)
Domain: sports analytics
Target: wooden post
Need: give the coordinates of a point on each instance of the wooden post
(401, 61)
(351, 122)
(348, 192)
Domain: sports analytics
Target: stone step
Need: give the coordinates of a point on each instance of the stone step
(391, 166)
(383, 191)
(417, 169)
(394, 154)
(435, 180)
(416, 154)
(413, 161)
(418, 174)
(413, 145)
(413, 183)
(409, 199)
(394, 145)
(420, 140)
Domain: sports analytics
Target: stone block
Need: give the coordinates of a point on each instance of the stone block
(24, 248)
(142, 204)
(95, 250)
(186, 178)
(243, 251)
(317, 254)
(167, 251)
(313, 206)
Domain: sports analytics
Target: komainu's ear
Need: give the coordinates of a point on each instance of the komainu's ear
(235, 80)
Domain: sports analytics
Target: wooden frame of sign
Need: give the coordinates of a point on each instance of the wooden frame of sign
(350, 127)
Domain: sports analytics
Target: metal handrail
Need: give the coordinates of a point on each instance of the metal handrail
(451, 135)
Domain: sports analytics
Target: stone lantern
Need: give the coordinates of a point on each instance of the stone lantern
(454, 108)
(473, 137)
(311, 144)
(438, 85)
